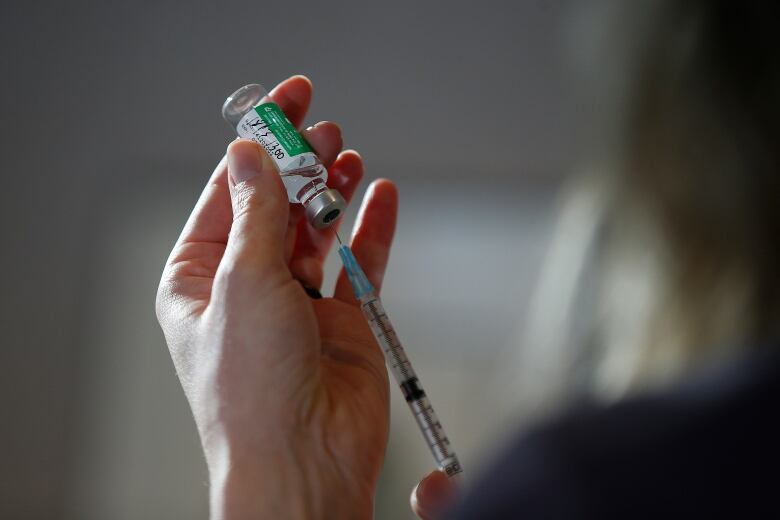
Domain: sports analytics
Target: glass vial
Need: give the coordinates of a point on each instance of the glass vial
(254, 116)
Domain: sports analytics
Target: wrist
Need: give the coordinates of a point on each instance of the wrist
(282, 483)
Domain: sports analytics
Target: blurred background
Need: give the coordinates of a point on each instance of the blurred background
(111, 126)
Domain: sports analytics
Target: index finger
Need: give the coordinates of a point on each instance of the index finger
(372, 237)
(293, 96)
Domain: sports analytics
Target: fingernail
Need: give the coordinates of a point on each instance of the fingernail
(312, 292)
(245, 161)
(300, 96)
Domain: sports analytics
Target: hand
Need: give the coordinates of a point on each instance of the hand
(289, 393)
(433, 496)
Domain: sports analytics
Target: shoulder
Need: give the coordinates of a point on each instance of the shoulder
(698, 449)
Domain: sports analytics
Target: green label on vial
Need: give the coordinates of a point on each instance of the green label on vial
(284, 132)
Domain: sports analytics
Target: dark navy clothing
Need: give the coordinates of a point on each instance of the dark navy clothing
(708, 448)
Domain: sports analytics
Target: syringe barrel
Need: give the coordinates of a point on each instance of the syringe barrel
(385, 335)
(437, 440)
(404, 374)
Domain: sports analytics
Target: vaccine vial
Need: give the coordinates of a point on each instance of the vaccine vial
(254, 116)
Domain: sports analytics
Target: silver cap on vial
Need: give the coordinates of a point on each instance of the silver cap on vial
(324, 209)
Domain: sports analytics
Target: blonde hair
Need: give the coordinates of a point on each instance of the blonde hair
(667, 252)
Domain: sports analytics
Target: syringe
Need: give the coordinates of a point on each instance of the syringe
(399, 365)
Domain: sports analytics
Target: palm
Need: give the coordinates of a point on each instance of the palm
(355, 383)
(352, 369)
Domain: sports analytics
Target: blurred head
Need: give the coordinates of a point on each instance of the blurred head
(667, 252)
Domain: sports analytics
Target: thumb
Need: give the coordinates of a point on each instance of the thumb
(260, 206)
(433, 496)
